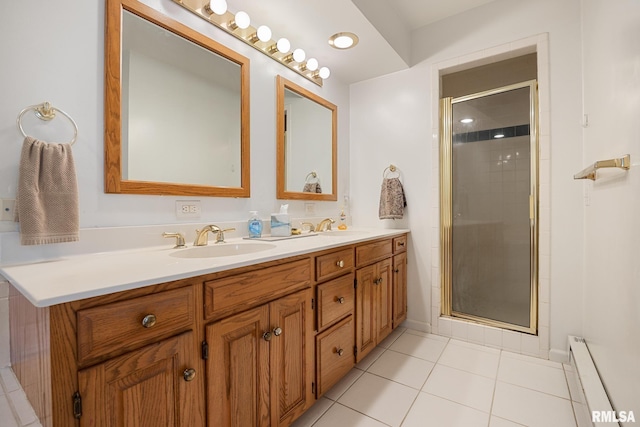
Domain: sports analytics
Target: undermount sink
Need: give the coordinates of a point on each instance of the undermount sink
(221, 250)
(342, 233)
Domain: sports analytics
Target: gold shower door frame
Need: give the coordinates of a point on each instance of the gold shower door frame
(446, 208)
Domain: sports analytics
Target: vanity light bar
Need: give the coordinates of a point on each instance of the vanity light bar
(259, 38)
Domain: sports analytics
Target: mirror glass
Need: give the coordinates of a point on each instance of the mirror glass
(179, 116)
(307, 151)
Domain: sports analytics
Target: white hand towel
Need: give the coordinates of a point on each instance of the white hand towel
(47, 197)
(392, 200)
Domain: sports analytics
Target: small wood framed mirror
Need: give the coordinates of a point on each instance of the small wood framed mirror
(306, 140)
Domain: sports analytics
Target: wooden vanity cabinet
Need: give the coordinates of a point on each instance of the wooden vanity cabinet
(260, 362)
(399, 280)
(374, 295)
(254, 346)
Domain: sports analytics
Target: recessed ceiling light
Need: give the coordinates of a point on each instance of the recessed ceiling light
(466, 120)
(344, 40)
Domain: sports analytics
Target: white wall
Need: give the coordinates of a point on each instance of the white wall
(54, 51)
(392, 122)
(611, 30)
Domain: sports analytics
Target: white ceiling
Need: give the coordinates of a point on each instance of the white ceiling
(383, 26)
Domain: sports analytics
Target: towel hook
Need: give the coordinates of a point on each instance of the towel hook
(46, 111)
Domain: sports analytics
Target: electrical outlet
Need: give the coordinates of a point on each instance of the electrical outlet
(310, 209)
(8, 207)
(188, 209)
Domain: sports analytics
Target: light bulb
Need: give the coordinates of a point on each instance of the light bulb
(299, 55)
(264, 33)
(312, 64)
(343, 42)
(324, 73)
(466, 120)
(219, 7)
(283, 45)
(242, 20)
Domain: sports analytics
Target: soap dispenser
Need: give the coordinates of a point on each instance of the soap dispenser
(255, 225)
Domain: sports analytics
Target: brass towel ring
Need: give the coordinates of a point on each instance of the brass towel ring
(313, 175)
(392, 169)
(46, 111)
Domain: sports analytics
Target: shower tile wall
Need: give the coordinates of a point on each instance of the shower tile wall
(491, 228)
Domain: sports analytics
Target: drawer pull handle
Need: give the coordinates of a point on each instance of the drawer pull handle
(277, 331)
(340, 300)
(401, 244)
(266, 336)
(149, 320)
(340, 351)
(189, 374)
(340, 263)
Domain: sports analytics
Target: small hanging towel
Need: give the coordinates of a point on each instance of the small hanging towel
(312, 187)
(47, 196)
(392, 200)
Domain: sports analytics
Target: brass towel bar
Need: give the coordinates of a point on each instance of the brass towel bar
(590, 172)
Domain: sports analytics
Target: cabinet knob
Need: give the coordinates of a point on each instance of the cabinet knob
(340, 263)
(189, 374)
(266, 336)
(378, 281)
(340, 351)
(397, 270)
(277, 331)
(149, 320)
(340, 300)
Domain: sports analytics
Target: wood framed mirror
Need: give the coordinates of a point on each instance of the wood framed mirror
(176, 108)
(306, 139)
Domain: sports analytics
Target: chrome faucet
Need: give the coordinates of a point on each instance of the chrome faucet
(325, 225)
(202, 238)
(312, 228)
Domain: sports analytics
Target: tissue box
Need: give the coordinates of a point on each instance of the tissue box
(280, 225)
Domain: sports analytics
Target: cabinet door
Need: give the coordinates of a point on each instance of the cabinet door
(238, 370)
(399, 289)
(365, 313)
(384, 299)
(292, 357)
(145, 388)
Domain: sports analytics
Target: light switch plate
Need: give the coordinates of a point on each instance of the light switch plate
(8, 207)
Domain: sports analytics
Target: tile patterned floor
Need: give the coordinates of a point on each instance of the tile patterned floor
(15, 410)
(414, 379)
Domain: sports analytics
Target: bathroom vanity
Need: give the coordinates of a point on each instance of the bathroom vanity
(239, 343)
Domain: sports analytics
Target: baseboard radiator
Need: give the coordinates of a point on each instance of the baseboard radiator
(589, 387)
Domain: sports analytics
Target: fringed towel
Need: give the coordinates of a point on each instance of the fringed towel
(47, 197)
(392, 200)
(312, 187)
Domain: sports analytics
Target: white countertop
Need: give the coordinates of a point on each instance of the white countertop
(76, 277)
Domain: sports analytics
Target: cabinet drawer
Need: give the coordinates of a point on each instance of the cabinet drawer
(335, 300)
(334, 353)
(333, 264)
(126, 325)
(245, 290)
(399, 244)
(366, 254)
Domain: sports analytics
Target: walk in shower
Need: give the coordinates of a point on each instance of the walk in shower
(488, 187)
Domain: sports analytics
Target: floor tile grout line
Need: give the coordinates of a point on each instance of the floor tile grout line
(362, 413)
(533, 389)
(495, 386)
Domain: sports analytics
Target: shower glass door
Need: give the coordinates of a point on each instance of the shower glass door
(489, 207)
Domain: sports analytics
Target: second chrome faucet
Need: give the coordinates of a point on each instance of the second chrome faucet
(202, 236)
